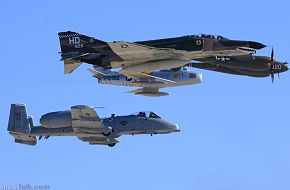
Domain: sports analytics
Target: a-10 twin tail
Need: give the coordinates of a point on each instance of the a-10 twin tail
(83, 122)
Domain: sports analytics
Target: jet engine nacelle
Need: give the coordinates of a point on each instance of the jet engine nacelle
(56, 119)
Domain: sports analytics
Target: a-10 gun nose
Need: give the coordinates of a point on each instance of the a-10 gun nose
(175, 128)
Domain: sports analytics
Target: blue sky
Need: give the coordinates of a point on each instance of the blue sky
(234, 130)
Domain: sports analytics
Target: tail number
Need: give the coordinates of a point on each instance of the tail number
(76, 41)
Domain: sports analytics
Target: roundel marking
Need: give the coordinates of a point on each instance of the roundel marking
(123, 122)
(124, 45)
(198, 42)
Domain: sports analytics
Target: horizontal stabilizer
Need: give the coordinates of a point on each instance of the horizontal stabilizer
(24, 138)
(71, 65)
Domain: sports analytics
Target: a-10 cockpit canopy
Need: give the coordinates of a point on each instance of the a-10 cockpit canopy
(210, 36)
(148, 114)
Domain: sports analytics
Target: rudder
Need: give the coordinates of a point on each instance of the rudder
(19, 125)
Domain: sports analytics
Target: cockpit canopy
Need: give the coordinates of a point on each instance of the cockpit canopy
(218, 37)
(148, 114)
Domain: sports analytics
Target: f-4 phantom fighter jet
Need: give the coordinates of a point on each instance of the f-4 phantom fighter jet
(248, 65)
(82, 121)
(147, 56)
(150, 83)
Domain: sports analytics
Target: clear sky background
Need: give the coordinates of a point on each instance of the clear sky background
(235, 131)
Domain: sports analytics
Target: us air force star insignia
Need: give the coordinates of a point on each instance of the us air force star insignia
(223, 59)
(124, 45)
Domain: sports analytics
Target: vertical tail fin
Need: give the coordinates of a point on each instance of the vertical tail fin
(76, 47)
(73, 41)
(19, 125)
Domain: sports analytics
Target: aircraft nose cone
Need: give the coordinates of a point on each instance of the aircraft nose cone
(286, 68)
(256, 45)
(175, 128)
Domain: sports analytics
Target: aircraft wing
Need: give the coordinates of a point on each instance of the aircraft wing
(86, 120)
(147, 77)
(96, 73)
(148, 91)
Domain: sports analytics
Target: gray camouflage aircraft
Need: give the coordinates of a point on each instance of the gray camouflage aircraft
(150, 83)
(147, 56)
(82, 121)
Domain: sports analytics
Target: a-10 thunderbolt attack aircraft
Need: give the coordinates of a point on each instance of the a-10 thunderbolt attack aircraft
(149, 83)
(82, 121)
(147, 56)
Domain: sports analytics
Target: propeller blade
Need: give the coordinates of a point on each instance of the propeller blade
(272, 77)
(272, 56)
(272, 65)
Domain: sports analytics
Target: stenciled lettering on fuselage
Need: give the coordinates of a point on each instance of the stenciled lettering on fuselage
(113, 77)
(76, 41)
(117, 77)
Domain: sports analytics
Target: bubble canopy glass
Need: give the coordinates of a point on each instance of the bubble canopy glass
(148, 114)
(210, 36)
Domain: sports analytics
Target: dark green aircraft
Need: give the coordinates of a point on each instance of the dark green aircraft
(248, 65)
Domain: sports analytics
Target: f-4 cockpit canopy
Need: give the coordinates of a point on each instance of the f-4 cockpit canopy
(148, 114)
(210, 36)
